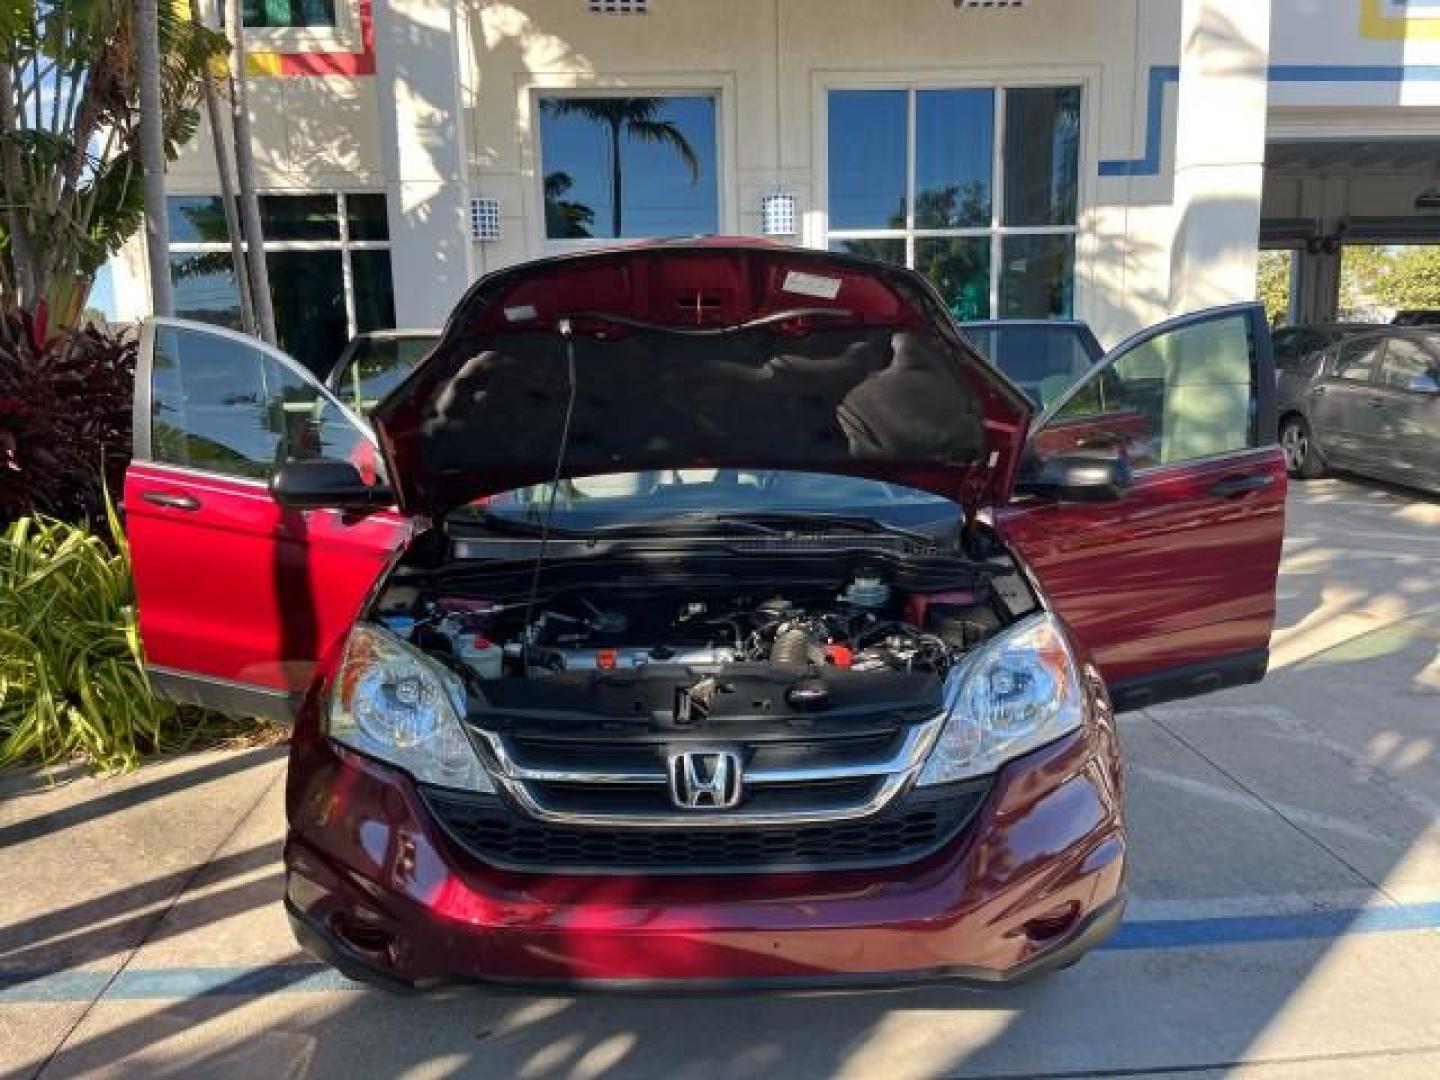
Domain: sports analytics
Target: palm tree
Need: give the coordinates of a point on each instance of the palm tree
(71, 171)
(219, 137)
(152, 155)
(637, 117)
(245, 172)
(565, 219)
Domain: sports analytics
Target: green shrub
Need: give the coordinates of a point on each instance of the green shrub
(72, 680)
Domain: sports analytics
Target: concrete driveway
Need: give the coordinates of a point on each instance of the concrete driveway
(1285, 921)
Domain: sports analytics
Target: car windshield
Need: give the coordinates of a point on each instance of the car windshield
(641, 498)
(1043, 359)
(376, 366)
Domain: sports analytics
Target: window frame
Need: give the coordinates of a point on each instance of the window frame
(721, 93)
(342, 244)
(1378, 343)
(1000, 82)
(1383, 368)
(143, 448)
(343, 36)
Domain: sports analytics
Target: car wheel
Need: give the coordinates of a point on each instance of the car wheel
(1301, 458)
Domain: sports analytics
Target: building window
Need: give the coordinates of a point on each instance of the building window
(919, 177)
(286, 13)
(629, 167)
(329, 261)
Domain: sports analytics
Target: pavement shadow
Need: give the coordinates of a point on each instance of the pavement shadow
(104, 926)
(132, 795)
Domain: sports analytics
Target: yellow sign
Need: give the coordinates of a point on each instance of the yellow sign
(1397, 20)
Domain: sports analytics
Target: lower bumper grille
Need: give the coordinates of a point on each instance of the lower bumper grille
(911, 828)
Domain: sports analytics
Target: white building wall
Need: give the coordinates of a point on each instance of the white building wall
(770, 63)
(423, 148)
(1355, 54)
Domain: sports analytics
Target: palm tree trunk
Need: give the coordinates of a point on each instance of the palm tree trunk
(616, 180)
(152, 157)
(245, 172)
(12, 179)
(218, 132)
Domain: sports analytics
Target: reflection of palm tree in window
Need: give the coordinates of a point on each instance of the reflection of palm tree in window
(637, 117)
(565, 220)
(952, 206)
(958, 268)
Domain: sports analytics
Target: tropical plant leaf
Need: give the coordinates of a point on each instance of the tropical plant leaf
(72, 679)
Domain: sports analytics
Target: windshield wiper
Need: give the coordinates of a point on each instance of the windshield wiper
(725, 330)
(781, 522)
(767, 522)
(690, 523)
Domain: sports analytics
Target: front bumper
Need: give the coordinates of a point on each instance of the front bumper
(375, 888)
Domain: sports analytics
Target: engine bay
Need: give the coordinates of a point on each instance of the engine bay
(690, 649)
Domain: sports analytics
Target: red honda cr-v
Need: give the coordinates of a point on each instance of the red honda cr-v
(705, 612)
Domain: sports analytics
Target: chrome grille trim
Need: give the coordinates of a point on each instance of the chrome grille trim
(892, 773)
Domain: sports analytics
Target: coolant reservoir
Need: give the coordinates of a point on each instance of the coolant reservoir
(866, 592)
(481, 655)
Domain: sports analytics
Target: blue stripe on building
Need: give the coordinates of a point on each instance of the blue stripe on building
(1162, 75)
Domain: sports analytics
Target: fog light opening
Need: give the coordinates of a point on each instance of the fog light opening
(364, 938)
(1053, 925)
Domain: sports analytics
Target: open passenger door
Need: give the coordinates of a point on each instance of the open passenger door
(1170, 585)
(238, 595)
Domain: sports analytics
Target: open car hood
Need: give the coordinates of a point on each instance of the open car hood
(700, 354)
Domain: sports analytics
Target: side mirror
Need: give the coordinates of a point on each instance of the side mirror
(326, 483)
(1078, 476)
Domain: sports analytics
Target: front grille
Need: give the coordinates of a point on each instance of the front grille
(912, 827)
(846, 772)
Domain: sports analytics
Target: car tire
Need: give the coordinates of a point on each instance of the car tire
(1302, 459)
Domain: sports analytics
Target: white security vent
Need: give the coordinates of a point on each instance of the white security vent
(778, 215)
(989, 5)
(485, 219)
(619, 7)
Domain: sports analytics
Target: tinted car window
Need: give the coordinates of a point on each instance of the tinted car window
(1184, 394)
(223, 406)
(1044, 360)
(1286, 344)
(1293, 347)
(1297, 351)
(1417, 317)
(1405, 362)
(378, 365)
(1357, 359)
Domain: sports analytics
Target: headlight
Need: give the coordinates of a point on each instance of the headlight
(1018, 692)
(393, 702)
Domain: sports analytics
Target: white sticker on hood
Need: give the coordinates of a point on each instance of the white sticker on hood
(521, 313)
(826, 288)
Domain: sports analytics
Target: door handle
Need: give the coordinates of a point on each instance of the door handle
(174, 502)
(1232, 487)
(1376, 403)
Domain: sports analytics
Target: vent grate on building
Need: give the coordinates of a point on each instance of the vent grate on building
(619, 7)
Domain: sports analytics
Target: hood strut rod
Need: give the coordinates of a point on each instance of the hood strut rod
(564, 329)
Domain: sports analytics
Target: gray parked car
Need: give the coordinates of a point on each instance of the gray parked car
(1365, 399)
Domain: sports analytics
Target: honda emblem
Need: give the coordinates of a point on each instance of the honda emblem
(705, 779)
